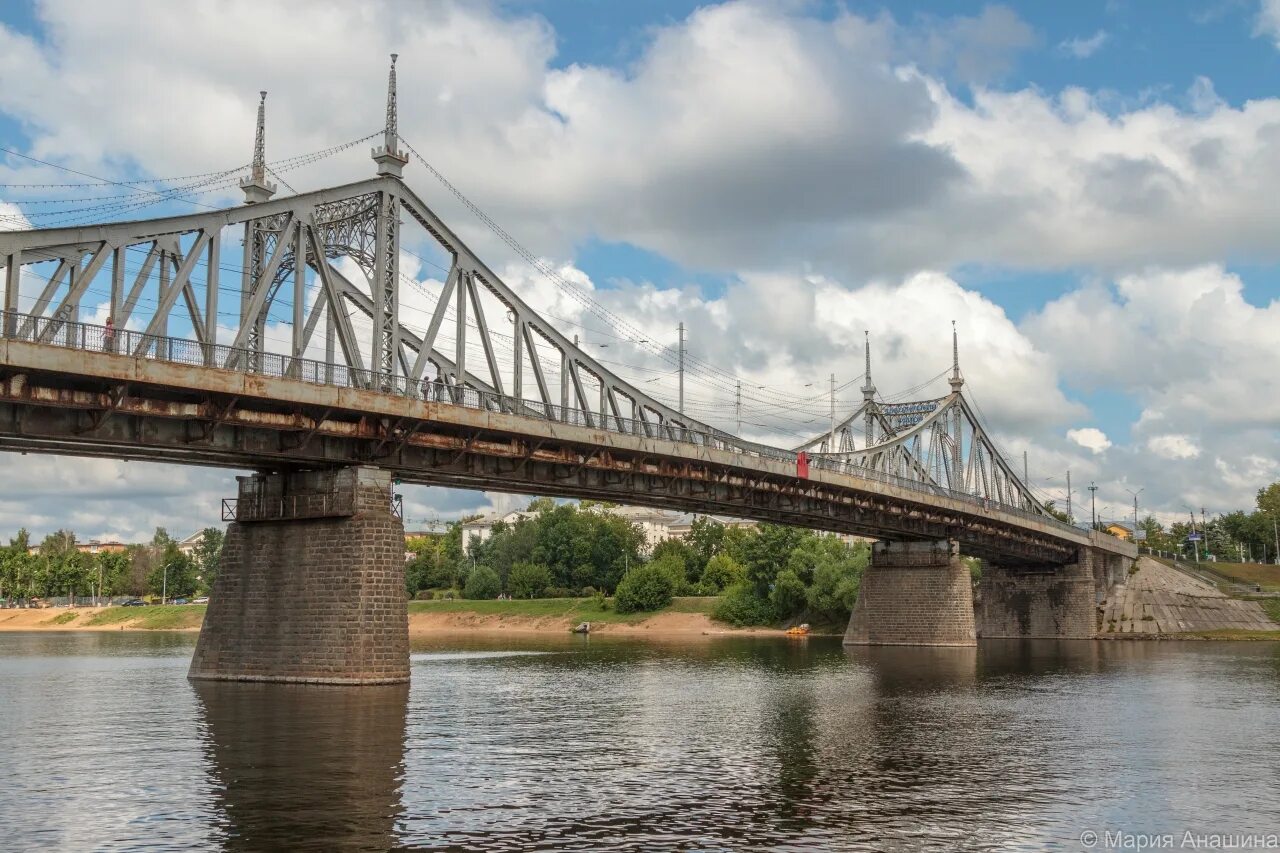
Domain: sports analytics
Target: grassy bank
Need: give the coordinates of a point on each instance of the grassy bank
(569, 609)
(154, 617)
(1268, 577)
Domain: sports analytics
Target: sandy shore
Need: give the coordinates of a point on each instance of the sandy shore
(46, 619)
(420, 624)
(661, 624)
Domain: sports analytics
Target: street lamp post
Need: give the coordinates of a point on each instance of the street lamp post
(1093, 500)
(164, 584)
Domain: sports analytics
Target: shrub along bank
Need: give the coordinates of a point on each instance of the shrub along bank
(764, 575)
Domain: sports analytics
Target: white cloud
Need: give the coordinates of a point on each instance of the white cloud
(1083, 48)
(1267, 24)
(828, 184)
(1090, 438)
(1173, 446)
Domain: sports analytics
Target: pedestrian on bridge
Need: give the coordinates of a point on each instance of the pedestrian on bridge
(109, 336)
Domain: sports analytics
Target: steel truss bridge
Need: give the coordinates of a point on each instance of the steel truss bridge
(488, 395)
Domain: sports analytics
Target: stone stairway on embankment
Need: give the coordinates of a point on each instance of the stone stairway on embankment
(1158, 599)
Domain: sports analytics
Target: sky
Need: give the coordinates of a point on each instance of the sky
(1089, 190)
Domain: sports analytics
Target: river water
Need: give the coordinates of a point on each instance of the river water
(590, 744)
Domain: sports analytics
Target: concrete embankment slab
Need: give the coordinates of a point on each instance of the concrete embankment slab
(1158, 599)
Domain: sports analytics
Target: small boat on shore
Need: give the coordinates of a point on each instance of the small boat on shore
(583, 628)
(801, 630)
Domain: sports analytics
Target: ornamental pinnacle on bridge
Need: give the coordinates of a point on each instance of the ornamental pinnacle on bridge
(869, 398)
(390, 159)
(256, 187)
(868, 390)
(956, 380)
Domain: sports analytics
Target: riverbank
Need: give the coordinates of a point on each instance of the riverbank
(684, 617)
(1158, 601)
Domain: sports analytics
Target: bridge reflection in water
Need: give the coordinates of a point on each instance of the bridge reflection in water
(304, 767)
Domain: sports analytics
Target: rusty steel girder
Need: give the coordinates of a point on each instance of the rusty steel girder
(71, 415)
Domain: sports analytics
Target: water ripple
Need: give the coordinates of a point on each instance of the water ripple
(710, 745)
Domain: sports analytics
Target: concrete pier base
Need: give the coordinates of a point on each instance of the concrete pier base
(311, 584)
(1061, 603)
(913, 594)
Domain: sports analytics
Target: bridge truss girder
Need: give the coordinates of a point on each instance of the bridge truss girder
(947, 447)
(284, 241)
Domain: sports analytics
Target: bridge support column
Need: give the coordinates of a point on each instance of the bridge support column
(913, 594)
(311, 585)
(1057, 603)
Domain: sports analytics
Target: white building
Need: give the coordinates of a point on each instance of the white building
(653, 523)
(189, 545)
(479, 530)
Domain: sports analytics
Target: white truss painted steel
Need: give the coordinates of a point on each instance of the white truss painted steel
(361, 222)
(937, 441)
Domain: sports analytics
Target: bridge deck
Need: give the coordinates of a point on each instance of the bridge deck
(65, 400)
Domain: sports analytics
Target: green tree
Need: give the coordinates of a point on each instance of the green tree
(508, 545)
(722, 572)
(541, 505)
(58, 543)
(113, 573)
(67, 574)
(171, 573)
(645, 588)
(432, 568)
(672, 565)
(740, 606)
(1052, 509)
(528, 580)
(766, 553)
(679, 549)
(833, 593)
(707, 539)
(208, 555)
(1269, 501)
(482, 583)
(788, 594)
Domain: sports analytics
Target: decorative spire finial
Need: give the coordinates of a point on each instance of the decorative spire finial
(868, 390)
(256, 187)
(390, 159)
(956, 379)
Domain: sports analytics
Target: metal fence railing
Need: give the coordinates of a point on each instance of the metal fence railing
(56, 331)
(304, 505)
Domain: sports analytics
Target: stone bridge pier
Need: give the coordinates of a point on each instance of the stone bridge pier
(1059, 602)
(914, 594)
(311, 585)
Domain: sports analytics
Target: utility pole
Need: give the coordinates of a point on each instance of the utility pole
(680, 408)
(1093, 497)
(1204, 529)
(1026, 478)
(1069, 515)
(1135, 508)
(737, 405)
(1195, 543)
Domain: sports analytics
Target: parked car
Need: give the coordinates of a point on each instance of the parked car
(179, 601)
(204, 599)
(134, 602)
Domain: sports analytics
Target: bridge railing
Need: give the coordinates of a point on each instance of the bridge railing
(60, 331)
